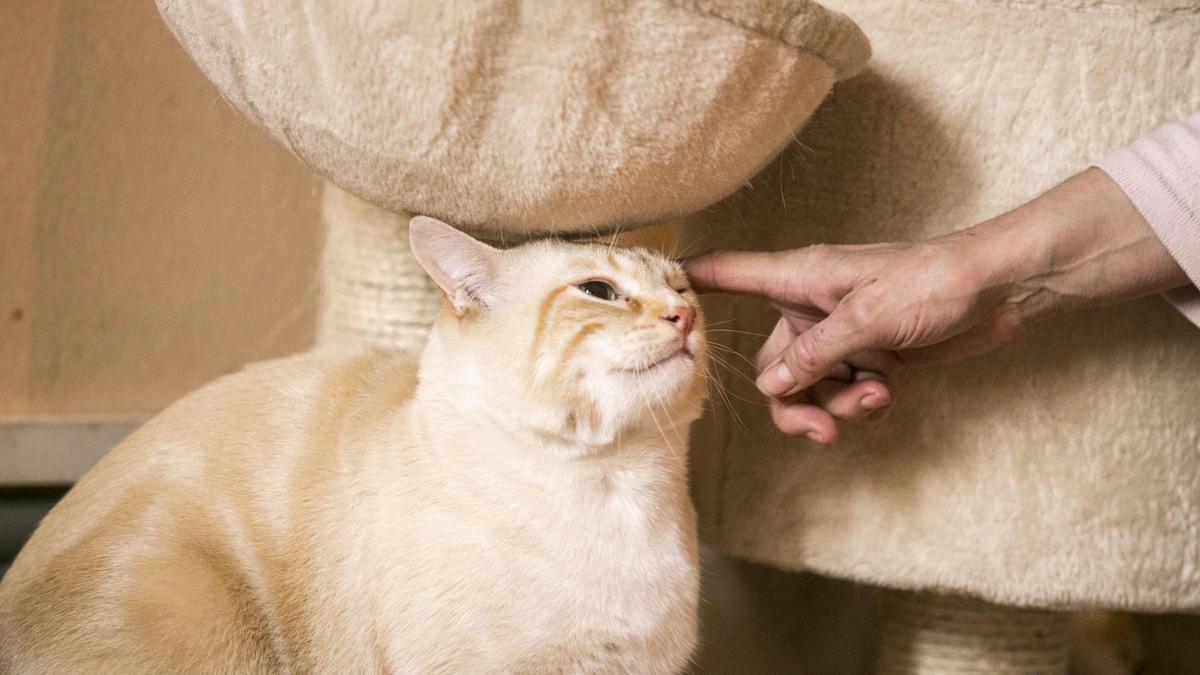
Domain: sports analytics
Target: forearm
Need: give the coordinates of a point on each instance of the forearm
(1081, 244)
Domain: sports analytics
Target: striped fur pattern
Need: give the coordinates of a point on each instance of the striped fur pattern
(516, 502)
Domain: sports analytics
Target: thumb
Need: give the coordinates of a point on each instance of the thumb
(741, 272)
(814, 353)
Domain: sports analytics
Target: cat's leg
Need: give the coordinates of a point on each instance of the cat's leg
(136, 595)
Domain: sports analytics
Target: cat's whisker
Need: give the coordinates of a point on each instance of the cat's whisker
(663, 434)
(679, 438)
(679, 447)
(726, 349)
(612, 241)
(741, 332)
(720, 388)
(735, 371)
(694, 242)
(723, 392)
(720, 323)
(748, 401)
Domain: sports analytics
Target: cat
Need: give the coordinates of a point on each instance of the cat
(514, 502)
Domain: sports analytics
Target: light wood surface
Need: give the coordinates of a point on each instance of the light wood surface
(150, 239)
(57, 451)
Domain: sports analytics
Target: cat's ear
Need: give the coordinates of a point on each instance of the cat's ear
(465, 269)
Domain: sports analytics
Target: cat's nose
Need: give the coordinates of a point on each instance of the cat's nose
(682, 316)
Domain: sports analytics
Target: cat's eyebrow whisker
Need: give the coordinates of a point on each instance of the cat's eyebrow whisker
(612, 242)
(692, 243)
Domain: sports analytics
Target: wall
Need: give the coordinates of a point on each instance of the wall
(150, 239)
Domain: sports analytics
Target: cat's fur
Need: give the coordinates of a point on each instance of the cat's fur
(518, 503)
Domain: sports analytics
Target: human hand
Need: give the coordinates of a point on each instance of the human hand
(878, 307)
(849, 309)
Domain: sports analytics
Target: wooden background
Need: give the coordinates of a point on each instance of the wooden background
(150, 239)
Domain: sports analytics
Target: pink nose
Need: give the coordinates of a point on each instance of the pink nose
(682, 316)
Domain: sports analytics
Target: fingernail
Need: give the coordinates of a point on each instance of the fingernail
(776, 380)
(871, 401)
(785, 376)
(814, 436)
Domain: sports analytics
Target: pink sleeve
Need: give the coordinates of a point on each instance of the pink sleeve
(1160, 172)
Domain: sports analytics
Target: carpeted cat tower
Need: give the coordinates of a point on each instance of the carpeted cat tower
(1061, 473)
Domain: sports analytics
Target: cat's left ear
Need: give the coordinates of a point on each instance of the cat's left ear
(464, 268)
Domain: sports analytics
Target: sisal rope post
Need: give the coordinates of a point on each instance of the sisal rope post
(373, 291)
(933, 633)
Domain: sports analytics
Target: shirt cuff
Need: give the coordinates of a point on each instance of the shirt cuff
(1160, 173)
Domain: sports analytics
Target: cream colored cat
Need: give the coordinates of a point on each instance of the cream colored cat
(517, 504)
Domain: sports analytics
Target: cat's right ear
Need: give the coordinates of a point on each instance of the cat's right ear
(464, 268)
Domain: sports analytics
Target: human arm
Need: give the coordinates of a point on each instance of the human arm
(1083, 243)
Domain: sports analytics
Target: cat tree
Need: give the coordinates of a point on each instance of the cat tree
(1061, 473)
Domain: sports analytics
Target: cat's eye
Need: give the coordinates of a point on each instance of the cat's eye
(683, 289)
(598, 289)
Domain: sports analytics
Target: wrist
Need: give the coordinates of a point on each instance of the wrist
(1014, 255)
(1080, 244)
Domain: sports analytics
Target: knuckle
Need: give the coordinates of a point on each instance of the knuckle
(859, 313)
(1008, 326)
(804, 355)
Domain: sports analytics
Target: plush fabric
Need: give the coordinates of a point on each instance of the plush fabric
(526, 116)
(1062, 471)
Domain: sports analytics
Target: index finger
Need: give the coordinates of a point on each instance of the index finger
(742, 272)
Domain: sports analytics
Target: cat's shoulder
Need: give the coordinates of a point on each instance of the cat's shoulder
(332, 370)
(312, 383)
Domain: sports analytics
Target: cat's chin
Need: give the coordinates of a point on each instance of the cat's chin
(679, 358)
(663, 384)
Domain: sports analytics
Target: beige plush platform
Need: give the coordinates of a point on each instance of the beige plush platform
(526, 116)
(1063, 471)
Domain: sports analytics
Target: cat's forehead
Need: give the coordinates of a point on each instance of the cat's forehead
(611, 261)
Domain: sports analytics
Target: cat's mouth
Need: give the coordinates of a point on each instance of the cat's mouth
(681, 353)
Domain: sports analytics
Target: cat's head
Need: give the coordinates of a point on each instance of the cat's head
(579, 340)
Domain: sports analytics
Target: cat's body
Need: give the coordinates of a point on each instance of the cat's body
(331, 513)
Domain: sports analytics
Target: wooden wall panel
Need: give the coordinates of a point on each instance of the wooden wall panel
(26, 65)
(150, 239)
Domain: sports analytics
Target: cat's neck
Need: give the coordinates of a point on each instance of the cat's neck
(451, 395)
(553, 434)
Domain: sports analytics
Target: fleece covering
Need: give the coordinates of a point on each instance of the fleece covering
(528, 116)
(1062, 471)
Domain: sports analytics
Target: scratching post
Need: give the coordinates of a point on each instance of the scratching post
(373, 291)
(932, 633)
